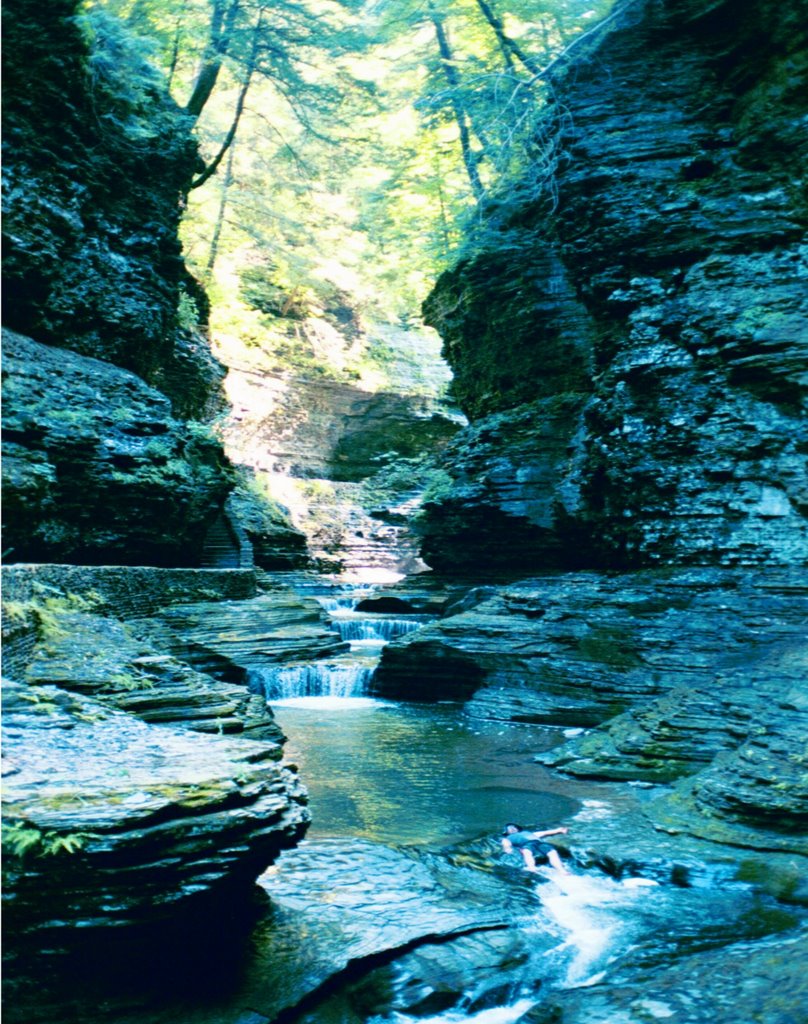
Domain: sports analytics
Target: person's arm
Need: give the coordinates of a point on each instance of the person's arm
(507, 846)
(551, 832)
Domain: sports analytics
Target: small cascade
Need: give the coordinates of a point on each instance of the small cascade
(343, 602)
(312, 679)
(354, 627)
(589, 912)
(347, 675)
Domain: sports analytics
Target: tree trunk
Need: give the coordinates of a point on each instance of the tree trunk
(221, 28)
(461, 115)
(510, 48)
(213, 166)
(227, 181)
(175, 47)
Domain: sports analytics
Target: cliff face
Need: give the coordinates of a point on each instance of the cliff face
(96, 160)
(96, 470)
(98, 465)
(633, 356)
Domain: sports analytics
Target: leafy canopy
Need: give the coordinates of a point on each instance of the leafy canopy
(351, 145)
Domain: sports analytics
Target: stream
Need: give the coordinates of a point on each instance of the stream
(400, 906)
(408, 801)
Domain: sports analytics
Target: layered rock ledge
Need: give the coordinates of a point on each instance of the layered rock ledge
(117, 812)
(694, 677)
(111, 821)
(631, 345)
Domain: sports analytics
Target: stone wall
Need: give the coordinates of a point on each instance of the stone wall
(124, 591)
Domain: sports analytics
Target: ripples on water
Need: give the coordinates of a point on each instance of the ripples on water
(415, 774)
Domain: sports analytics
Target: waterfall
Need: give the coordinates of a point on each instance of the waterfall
(312, 679)
(352, 627)
(344, 676)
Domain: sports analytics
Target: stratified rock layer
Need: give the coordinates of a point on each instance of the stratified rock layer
(695, 675)
(634, 356)
(96, 469)
(97, 656)
(317, 440)
(133, 819)
(229, 637)
(96, 159)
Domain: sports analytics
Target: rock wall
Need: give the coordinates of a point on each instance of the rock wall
(317, 441)
(97, 159)
(96, 470)
(633, 354)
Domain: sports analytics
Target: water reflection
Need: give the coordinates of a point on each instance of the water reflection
(416, 774)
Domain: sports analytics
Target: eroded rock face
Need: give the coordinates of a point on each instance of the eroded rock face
(133, 820)
(759, 979)
(96, 159)
(347, 459)
(655, 319)
(95, 467)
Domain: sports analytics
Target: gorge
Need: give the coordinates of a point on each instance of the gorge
(257, 755)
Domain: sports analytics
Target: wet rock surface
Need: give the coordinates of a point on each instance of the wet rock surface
(696, 676)
(98, 657)
(356, 900)
(576, 649)
(761, 981)
(229, 637)
(113, 821)
(95, 467)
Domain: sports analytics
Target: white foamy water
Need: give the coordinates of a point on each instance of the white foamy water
(589, 913)
(312, 679)
(493, 1015)
(355, 627)
(330, 703)
(594, 810)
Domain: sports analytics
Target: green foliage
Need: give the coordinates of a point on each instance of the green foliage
(21, 839)
(130, 681)
(48, 610)
(130, 92)
(187, 312)
(401, 478)
(252, 505)
(346, 173)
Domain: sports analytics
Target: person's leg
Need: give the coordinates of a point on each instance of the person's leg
(529, 859)
(555, 860)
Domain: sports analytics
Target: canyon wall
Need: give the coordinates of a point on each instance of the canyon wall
(631, 346)
(105, 362)
(97, 159)
(631, 349)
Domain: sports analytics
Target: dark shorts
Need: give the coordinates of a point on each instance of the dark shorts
(539, 850)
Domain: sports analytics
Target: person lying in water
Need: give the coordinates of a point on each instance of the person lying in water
(530, 846)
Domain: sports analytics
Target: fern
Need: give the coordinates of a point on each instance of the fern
(20, 839)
